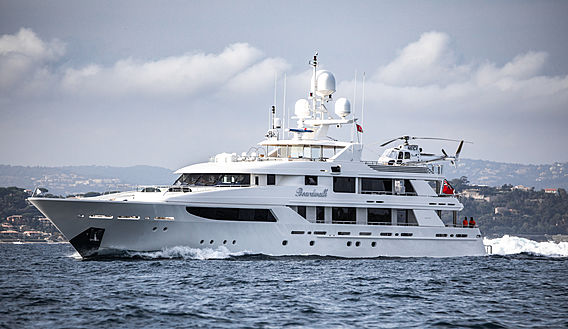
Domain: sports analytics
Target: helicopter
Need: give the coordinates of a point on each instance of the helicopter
(411, 154)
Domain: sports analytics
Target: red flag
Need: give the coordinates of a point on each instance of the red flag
(447, 189)
(359, 128)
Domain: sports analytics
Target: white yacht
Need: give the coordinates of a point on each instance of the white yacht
(298, 193)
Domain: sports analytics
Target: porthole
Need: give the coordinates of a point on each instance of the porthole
(396, 234)
(348, 243)
(373, 244)
(154, 228)
(234, 241)
(211, 242)
(224, 241)
(202, 242)
(312, 243)
(357, 244)
(284, 242)
(165, 229)
(451, 235)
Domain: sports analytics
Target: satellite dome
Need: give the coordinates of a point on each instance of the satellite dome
(325, 83)
(302, 108)
(342, 107)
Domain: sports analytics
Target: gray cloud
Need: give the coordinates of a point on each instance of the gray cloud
(182, 108)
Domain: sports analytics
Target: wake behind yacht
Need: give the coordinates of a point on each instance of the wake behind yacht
(305, 194)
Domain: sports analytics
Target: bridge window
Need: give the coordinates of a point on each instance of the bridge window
(344, 184)
(235, 214)
(213, 180)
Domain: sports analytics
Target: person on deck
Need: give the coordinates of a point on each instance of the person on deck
(471, 222)
(465, 223)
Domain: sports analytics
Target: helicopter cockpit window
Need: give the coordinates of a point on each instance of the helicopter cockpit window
(400, 155)
(407, 155)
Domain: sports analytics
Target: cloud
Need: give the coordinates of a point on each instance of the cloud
(424, 90)
(429, 60)
(183, 75)
(24, 60)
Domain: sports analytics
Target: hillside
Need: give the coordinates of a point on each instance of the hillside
(80, 179)
(491, 173)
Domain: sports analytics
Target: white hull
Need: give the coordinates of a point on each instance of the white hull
(256, 238)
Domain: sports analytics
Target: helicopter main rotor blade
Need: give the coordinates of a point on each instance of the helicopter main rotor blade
(392, 140)
(443, 139)
(459, 150)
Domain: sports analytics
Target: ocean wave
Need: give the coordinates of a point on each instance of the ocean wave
(509, 245)
(188, 253)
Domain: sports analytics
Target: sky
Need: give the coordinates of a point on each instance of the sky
(170, 83)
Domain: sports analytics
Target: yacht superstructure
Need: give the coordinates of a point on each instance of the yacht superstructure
(304, 195)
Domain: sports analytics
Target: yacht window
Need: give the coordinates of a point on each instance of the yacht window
(369, 185)
(320, 215)
(302, 211)
(307, 152)
(328, 152)
(316, 152)
(344, 184)
(283, 152)
(270, 179)
(311, 180)
(408, 188)
(213, 179)
(405, 217)
(236, 214)
(400, 155)
(255, 180)
(378, 216)
(407, 155)
(296, 151)
(343, 215)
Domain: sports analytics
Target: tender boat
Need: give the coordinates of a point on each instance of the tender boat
(299, 192)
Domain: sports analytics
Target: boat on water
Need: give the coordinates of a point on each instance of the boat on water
(299, 192)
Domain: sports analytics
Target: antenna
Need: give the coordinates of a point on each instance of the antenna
(354, 107)
(284, 107)
(271, 123)
(363, 106)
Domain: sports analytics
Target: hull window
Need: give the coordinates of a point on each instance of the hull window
(270, 179)
(379, 216)
(233, 214)
(302, 211)
(320, 215)
(343, 215)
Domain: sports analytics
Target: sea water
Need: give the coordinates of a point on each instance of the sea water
(524, 284)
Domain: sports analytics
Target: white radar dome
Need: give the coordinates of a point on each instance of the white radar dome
(302, 108)
(326, 83)
(342, 107)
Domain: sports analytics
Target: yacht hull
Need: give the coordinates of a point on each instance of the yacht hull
(96, 227)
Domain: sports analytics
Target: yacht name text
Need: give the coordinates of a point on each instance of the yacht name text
(300, 192)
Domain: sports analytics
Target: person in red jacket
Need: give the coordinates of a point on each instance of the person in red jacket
(465, 223)
(471, 222)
